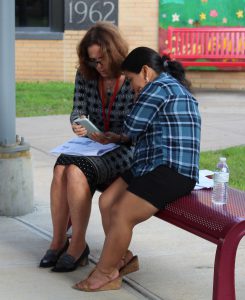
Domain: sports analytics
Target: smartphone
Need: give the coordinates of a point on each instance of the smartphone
(86, 123)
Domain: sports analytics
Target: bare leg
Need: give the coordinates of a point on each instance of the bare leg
(108, 198)
(79, 201)
(59, 207)
(128, 211)
(106, 201)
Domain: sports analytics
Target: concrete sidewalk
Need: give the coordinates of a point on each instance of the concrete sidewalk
(174, 265)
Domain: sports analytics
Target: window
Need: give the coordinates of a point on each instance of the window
(31, 13)
(39, 19)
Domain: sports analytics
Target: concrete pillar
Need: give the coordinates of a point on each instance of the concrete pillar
(16, 183)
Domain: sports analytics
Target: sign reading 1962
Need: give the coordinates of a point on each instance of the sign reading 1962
(81, 14)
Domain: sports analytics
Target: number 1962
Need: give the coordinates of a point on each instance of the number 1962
(91, 11)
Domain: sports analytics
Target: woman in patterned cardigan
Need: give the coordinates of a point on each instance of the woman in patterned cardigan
(103, 95)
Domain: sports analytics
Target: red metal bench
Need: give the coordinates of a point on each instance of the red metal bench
(208, 46)
(222, 225)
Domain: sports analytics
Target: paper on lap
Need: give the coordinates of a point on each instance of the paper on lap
(83, 146)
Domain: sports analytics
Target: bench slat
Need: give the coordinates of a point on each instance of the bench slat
(221, 46)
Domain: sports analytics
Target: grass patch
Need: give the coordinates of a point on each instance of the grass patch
(42, 99)
(236, 162)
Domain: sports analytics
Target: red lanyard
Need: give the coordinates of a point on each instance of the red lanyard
(106, 118)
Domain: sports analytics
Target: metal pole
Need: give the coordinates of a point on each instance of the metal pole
(7, 73)
(16, 183)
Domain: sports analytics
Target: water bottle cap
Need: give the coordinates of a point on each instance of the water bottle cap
(223, 159)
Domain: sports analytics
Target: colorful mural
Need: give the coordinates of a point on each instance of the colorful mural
(195, 13)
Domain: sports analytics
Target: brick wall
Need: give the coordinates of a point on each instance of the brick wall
(214, 80)
(40, 60)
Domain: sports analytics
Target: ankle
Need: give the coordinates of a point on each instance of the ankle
(76, 250)
(125, 259)
(110, 273)
(58, 244)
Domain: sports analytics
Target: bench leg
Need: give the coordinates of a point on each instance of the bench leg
(224, 266)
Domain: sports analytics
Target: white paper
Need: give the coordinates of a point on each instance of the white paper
(82, 146)
(204, 181)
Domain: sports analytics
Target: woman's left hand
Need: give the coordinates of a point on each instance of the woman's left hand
(105, 138)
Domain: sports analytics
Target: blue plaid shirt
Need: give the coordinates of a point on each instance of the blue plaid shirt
(165, 126)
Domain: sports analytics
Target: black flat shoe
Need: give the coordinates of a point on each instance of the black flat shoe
(51, 256)
(67, 263)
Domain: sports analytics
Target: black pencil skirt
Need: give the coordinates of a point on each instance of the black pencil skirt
(160, 187)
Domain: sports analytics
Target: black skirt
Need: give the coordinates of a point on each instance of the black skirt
(160, 187)
(100, 171)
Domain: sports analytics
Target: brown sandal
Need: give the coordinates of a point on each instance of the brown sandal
(131, 266)
(114, 283)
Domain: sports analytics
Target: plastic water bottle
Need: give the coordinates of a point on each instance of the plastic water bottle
(221, 179)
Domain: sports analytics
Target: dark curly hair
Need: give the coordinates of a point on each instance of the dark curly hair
(141, 56)
(113, 46)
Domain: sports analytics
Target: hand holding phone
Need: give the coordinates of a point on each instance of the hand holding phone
(87, 124)
(79, 130)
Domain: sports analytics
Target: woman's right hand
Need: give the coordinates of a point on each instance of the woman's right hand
(79, 130)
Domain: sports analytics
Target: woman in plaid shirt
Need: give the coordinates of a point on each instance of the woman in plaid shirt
(165, 127)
